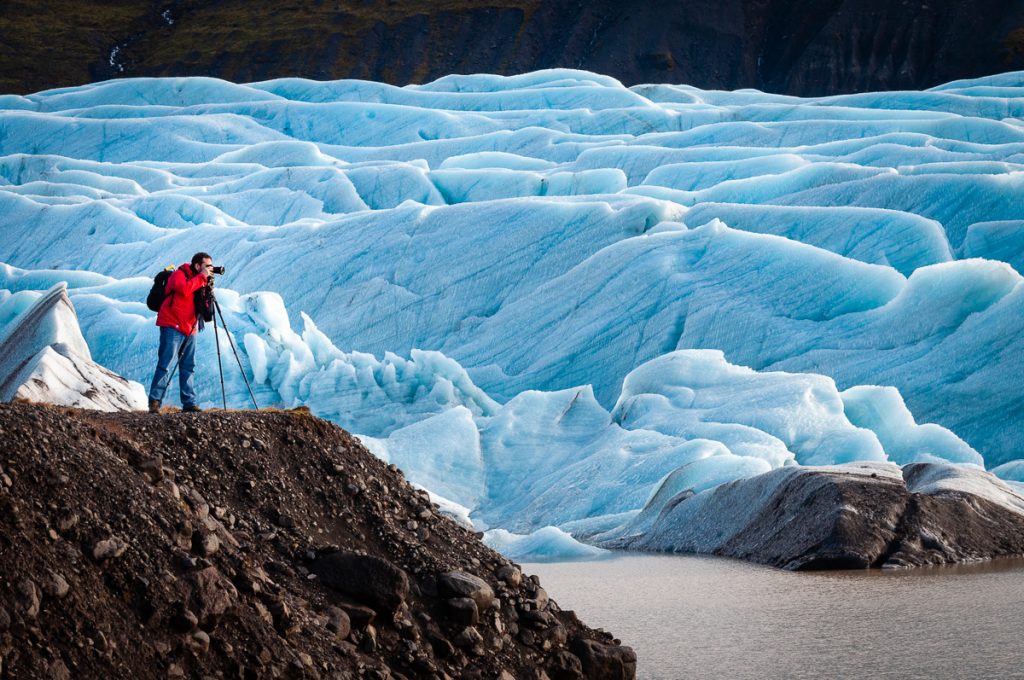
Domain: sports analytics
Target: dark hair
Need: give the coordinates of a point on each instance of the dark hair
(199, 257)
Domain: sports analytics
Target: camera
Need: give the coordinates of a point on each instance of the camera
(218, 270)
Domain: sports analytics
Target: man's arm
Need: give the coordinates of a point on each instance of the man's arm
(179, 283)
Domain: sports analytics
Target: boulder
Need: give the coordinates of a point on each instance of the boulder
(369, 579)
(539, 599)
(511, 575)
(215, 595)
(461, 584)
(604, 662)
(338, 622)
(564, 665)
(468, 637)
(358, 615)
(463, 611)
(28, 598)
(538, 619)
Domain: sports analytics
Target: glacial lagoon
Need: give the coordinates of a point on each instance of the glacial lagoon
(707, 617)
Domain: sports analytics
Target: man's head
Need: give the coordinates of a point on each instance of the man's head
(202, 263)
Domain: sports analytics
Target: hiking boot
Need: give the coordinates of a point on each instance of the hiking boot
(154, 406)
(191, 408)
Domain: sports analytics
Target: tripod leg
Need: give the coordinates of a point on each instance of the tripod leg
(170, 376)
(231, 341)
(220, 368)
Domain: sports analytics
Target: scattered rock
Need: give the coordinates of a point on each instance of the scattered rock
(200, 642)
(67, 521)
(56, 586)
(58, 670)
(369, 640)
(205, 544)
(557, 634)
(215, 596)
(101, 642)
(183, 534)
(183, 620)
(109, 549)
(198, 504)
(538, 619)
(511, 575)
(171, 488)
(468, 637)
(461, 584)
(28, 598)
(358, 615)
(425, 666)
(540, 599)
(441, 645)
(338, 622)
(263, 613)
(153, 468)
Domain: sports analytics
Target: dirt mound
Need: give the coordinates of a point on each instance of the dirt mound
(252, 545)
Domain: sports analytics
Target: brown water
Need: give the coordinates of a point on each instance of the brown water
(706, 617)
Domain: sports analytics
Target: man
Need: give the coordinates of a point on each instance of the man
(178, 321)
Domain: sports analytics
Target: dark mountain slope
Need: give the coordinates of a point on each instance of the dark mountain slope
(803, 47)
(244, 545)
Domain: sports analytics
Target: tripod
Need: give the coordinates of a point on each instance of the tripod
(220, 367)
(231, 341)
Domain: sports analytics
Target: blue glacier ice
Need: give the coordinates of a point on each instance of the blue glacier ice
(549, 298)
(549, 544)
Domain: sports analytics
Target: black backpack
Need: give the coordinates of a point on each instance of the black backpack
(156, 294)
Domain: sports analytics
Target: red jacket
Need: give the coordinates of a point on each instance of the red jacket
(179, 309)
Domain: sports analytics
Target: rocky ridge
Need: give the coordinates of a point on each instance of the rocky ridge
(252, 545)
(851, 516)
(798, 47)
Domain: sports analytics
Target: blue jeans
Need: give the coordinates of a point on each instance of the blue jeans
(184, 346)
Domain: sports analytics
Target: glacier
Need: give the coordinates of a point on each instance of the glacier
(552, 300)
(44, 358)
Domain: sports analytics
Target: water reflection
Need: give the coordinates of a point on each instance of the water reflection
(707, 617)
